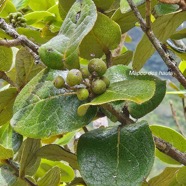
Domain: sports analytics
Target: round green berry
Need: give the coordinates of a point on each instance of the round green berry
(59, 82)
(97, 67)
(98, 86)
(85, 72)
(106, 80)
(82, 94)
(74, 77)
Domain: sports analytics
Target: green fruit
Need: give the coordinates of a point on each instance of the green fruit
(106, 80)
(59, 82)
(85, 72)
(19, 14)
(98, 86)
(74, 77)
(82, 94)
(97, 67)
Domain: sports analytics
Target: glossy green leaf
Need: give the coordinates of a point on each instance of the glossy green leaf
(10, 139)
(7, 98)
(112, 156)
(173, 137)
(56, 153)
(62, 50)
(42, 5)
(165, 178)
(128, 20)
(181, 34)
(67, 173)
(6, 56)
(19, 4)
(37, 16)
(123, 59)
(180, 177)
(41, 110)
(104, 36)
(25, 66)
(29, 161)
(163, 27)
(52, 177)
(182, 67)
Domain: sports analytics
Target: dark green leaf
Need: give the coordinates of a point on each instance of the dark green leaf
(56, 153)
(62, 50)
(41, 110)
(19, 4)
(104, 36)
(163, 27)
(52, 177)
(112, 156)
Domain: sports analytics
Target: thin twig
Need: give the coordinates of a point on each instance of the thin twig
(148, 14)
(175, 117)
(85, 129)
(158, 46)
(184, 107)
(16, 169)
(109, 58)
(10, 43)
(6, 78)
(23, 39)
(169, 150)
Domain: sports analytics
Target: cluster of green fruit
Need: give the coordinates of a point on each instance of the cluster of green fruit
(92, 78)
(17, 19)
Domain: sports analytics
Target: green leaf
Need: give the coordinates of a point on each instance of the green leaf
(6, 153)
(181, 34)
(124, 6)
(66, 138)
(56, 153)
(99, 40)
(163, 27)
(3, 4)
(41, 110)
(182, 67)
(128, 20)
(8, 8)
(173, 137)
(29, 161)
(62, 50)
(9, 138)
(180, 177)
(67, 173)
(126, 85)
(52, 177)
(25, 66)
(19, 4)
(123, 59)
(165, 178)
(38, 16)
(116, 158)
(162, 8)
(20, 182)
(7, 98)
(6, 56)
(42, 5)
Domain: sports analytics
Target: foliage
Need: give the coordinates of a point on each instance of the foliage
(46, 135)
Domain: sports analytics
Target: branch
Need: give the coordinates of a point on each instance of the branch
(16, 169)
(22, 39)
(169, 150)
(158, 46)
(10, 43)
(161, 145)
(6, 78)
